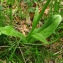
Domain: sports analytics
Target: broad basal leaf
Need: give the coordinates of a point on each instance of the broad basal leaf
(47, 31)
(40, 37)
(10, 31)
(51, 28)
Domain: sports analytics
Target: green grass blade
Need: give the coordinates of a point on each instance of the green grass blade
(42, 12)
(1, 61)
(37, 56)
(11, 56)
(56, 6)
(18, 58)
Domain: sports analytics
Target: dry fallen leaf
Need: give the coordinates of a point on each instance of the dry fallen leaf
(47, 11)
(61, 3)
(28, 21)
(22, 27)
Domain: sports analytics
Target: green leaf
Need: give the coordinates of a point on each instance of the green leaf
(46, 24)
(42, 12)
(0, 33)
(34, 22)
(35, 18)
(10, 31)
(40, 37)
(48, 29)
(1, 7)
(1, 62)
(51, 28)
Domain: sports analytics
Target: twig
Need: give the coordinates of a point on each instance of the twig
(59, 52)
(10, 46)
(22, 55)
(28, 59)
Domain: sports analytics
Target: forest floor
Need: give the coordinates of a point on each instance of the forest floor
(20, 15)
